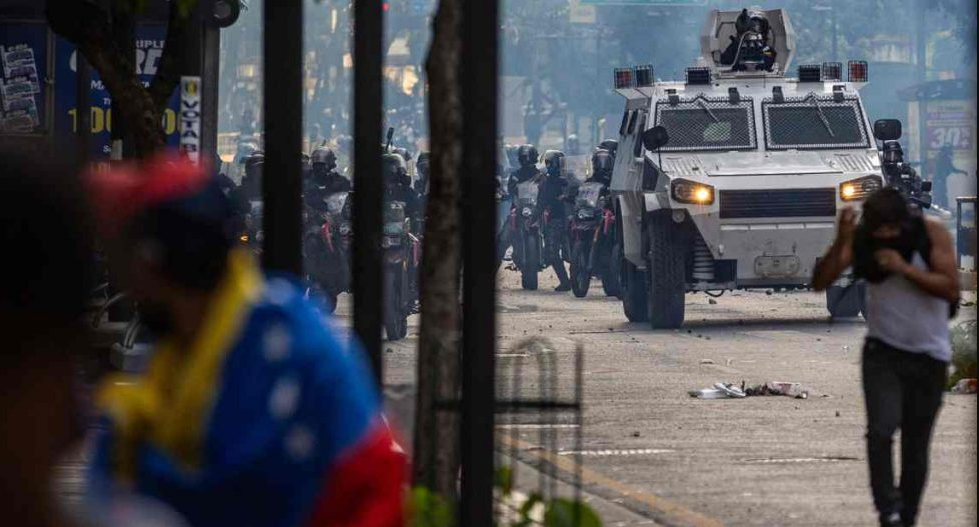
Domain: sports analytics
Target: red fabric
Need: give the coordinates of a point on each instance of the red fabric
(366, 487)
(128, 188)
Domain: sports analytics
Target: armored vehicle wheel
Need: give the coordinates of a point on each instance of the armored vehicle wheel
(846, 302)
(580, 275)
(530, 267)
(667, 274)
(611, 277)
(634, 293)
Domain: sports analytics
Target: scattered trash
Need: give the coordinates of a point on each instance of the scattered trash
(729, 362)
(965, 386)
(719, 391)
(837, 413)
(389, 350)
(635, 434)
(769, 292)
(711, 301)
(706, 361)
(789, 389)
(846, 349)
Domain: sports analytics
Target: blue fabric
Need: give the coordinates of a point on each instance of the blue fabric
(293, 398)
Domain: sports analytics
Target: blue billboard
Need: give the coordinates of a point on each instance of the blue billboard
(149, 50)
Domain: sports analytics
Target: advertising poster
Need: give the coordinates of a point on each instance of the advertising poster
(23, 67)
(149, 51)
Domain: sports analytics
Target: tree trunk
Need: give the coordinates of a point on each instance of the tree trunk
(436, 448)
(105, 39)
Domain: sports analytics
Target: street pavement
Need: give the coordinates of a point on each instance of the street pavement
(651, 453)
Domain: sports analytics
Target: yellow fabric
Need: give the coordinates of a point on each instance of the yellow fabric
(170, 405)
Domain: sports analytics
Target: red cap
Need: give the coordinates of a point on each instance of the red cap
(126, 189)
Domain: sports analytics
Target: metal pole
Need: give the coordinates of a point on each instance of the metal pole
(367, 272)
(83, 108)
(283, 117)
(211, 46)
(479, 97)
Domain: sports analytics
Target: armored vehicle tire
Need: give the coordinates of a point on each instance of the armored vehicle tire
(612, 277)
(530, 267)
(846, 302)
(667, 274)
(580, 275)
(634, 293)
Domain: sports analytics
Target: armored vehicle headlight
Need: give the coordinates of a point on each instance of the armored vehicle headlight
(686, 191)
(860, 188)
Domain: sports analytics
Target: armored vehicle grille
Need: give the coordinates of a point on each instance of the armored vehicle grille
(791, 203)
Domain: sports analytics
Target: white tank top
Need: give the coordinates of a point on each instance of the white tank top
(903, 316)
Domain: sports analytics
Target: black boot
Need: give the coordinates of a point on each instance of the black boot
(564, 284)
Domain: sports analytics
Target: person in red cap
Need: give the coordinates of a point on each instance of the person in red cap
(251, 411)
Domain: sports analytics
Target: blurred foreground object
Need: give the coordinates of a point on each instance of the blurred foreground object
(252, 411)
(44, 289)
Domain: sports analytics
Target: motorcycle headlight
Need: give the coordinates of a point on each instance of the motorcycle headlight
(686, 191)
(584, 214)
(526, 212)
(860, 188)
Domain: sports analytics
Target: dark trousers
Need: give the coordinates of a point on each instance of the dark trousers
(902, 390)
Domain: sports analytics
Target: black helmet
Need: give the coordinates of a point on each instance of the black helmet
(393, 167)
(611, 145)
(601, 161)
(527, 155)
(554, 160)
(324, 156)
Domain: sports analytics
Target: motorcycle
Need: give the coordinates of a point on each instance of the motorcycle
(525, 226)
(326, 247)
(592, 238)
(400, 262)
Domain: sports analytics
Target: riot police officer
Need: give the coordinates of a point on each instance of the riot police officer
(397, 186)
(251, 182)
(526, 157)
(553, 199)
(423, 170)
(601, 167)
(324, 174)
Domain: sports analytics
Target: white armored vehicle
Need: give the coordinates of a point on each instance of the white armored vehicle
(732, 178)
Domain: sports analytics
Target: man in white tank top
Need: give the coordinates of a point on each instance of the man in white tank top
(909, 264)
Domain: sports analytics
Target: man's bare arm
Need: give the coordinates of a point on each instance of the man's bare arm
(942, 279)
(840, 254)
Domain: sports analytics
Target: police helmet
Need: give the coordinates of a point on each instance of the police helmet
(527, 155)
(601, 161)
(324, 156)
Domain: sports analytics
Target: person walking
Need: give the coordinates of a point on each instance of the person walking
(913, 285)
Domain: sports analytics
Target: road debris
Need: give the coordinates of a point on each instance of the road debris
(718, 391)
(964, 386)
(706, 361)
(789, 389)
(722, 390)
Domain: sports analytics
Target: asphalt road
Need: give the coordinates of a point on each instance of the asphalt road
(653, 453)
